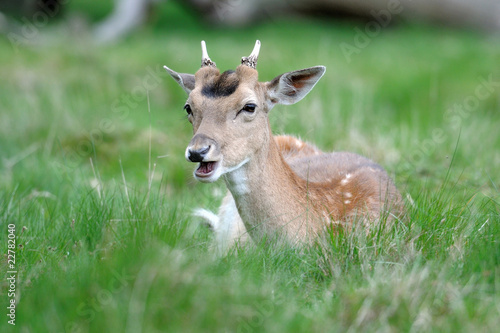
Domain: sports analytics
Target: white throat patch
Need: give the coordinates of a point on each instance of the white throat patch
(237, 180)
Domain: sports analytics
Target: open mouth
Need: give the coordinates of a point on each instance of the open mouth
(205, 169)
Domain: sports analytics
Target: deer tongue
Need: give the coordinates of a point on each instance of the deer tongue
(205, 168)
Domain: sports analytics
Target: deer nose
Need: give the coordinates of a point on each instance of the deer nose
(197, 155)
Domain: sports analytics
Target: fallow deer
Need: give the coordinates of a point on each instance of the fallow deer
(278, 186)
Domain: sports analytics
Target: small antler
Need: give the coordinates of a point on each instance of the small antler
(205, 59)
(251, 60)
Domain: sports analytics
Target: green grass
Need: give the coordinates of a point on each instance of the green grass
(92, 259)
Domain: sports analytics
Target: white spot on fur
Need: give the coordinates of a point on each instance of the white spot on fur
(345, 180)
(347, 202)
(348, 195)
(298, 143)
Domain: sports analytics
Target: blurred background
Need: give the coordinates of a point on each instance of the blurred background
(119, 17)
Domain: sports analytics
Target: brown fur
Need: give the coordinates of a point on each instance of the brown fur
(281, 186)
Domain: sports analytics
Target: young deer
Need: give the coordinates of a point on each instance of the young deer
(278, 186)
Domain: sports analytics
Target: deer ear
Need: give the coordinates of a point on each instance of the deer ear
(289, 88)
(186, 81)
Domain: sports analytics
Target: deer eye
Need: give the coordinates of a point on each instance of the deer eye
(187, 107)
(250, 108)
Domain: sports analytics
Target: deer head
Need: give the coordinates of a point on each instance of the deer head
(229, 111)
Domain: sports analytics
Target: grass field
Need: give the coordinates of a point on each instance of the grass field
(94, 180)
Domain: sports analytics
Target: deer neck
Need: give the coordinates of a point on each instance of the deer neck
(270, 197)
